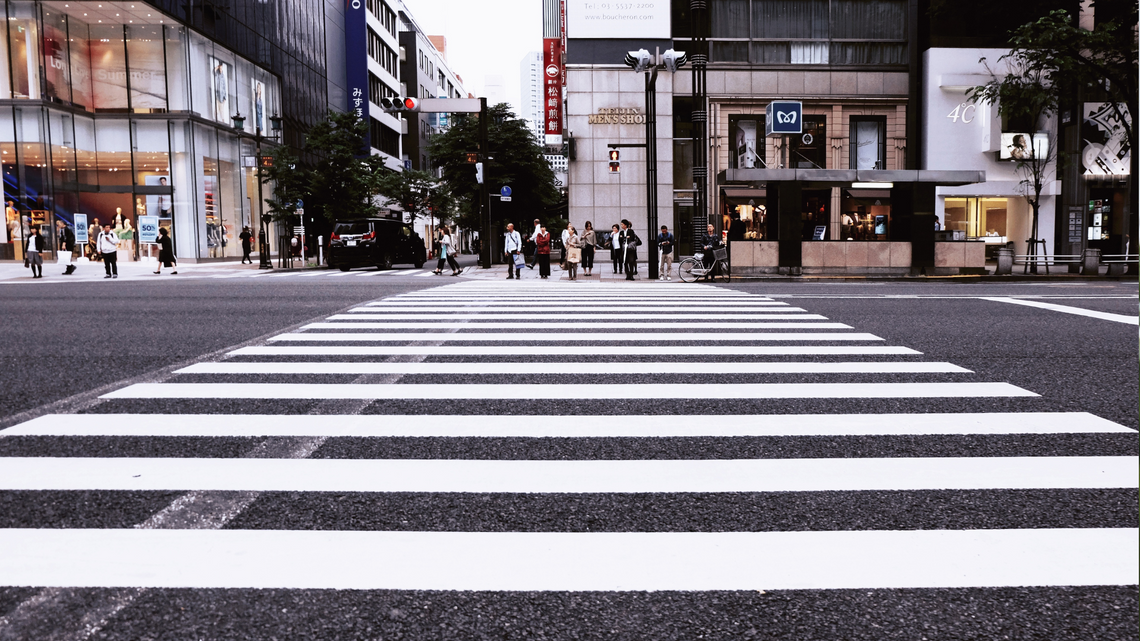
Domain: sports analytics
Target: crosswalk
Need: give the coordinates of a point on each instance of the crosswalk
(487, 393)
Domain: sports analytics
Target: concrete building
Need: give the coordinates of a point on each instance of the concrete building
(530, 92)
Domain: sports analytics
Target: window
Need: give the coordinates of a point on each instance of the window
(747, 136)
(868, 142)
(978, 217)
(384, 138)
(844, 32)
(809, 150)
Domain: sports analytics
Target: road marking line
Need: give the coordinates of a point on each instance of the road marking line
(569, 561)
(578, 477)
(562, 369)
(568, 391)
(533, 337)
(609, 312)
(449, 316)
(553, 324)
(624, 305)
(574, 350)
(561, 426)
(1119, 318)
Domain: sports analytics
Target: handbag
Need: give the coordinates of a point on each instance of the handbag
(520, 260)
(574, 255)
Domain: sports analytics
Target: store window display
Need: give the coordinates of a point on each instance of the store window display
(816, 214)
(985, 218)
(866, 214)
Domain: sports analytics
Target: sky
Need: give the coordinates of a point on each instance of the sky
(483, 38)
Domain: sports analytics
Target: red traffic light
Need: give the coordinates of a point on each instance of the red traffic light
(411, 104)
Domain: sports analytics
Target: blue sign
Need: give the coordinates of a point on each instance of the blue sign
(148, 229)
(408, 164)
(784, 117)
(300, 204)
(356, 57)
(505, 192)
(81, 228)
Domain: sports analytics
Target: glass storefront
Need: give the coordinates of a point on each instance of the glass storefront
(128, 120)
(977, 217)
(866, 214)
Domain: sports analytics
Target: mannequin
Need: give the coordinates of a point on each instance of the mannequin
(140, 207)
(92, 234)
(12, 224)
(127, 239)
(118, 218)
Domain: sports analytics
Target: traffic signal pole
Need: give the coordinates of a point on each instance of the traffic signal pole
(486, 251)
(651, 166)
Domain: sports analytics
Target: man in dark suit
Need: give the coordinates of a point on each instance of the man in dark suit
(629, 243)
(67, 244)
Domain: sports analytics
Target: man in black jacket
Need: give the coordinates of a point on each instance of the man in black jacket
(67, 244)
(709, 242)
(629, 243)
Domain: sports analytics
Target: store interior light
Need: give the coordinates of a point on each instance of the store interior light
(872, 185)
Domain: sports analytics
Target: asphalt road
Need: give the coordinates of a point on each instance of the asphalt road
(71, 343)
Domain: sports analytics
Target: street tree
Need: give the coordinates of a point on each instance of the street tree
(1069, 57)
(289, 181)
(515, 160)
(419, 193)
(1025, 93)
(342, 183)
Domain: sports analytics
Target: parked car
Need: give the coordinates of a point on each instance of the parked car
(378, 242)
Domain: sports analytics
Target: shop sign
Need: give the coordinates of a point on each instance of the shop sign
(618, 20)
(356, 58)
(552, 89)
(617, 116)
(148, 229)
(81, 228)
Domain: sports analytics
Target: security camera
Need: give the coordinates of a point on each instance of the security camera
(674, 60)
(640, 60)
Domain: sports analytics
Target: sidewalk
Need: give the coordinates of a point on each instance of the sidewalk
(132, 270)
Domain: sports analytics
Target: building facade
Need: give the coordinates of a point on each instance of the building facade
(531, 93)
(114, 111)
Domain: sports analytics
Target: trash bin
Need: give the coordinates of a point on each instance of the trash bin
(1090, 262)
(1004, 257)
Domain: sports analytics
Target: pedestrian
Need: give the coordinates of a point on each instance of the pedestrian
(446, 252)
(709, 242)
(629, 244)
(565, 239)
(108, 245)
(246, 245)
(512, 245)
(166, 252)
(33, 252)
(67, 243)
(665, 243)
(532, 244)
(589, 243)
(573, 252)
(615, 250)
(542, 252)
(92, 236)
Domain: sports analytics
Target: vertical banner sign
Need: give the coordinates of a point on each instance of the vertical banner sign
(552, 89)
(356, 57)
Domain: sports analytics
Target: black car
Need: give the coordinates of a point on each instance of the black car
(379, 242)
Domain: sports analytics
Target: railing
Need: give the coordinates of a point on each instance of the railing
(1038, 260)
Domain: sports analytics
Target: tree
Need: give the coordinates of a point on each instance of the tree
(289, 180)
(1105, 59)
(419, 193)
(342, 184)
(516, 159)
(1026, 94)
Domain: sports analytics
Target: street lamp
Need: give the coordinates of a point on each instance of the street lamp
(643, 61)
(263, 229)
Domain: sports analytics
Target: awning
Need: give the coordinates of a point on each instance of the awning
(844, 177)
(869, 193)
(744, 194)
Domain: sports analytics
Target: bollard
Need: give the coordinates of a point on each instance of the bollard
(1090, 262)
(1004, 257)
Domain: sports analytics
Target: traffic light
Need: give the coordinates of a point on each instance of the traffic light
(639, 60)
(479, 173)
(400, 105)
(615, 162)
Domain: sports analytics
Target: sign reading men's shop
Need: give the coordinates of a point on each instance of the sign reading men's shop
(617, 116)
(784, 117)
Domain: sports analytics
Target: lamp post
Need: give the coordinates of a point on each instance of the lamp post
(643, 61)
(263, 230)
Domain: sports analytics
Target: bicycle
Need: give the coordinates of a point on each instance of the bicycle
(693, 267)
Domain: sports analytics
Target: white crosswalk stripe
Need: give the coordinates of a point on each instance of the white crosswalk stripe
(544, 367)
